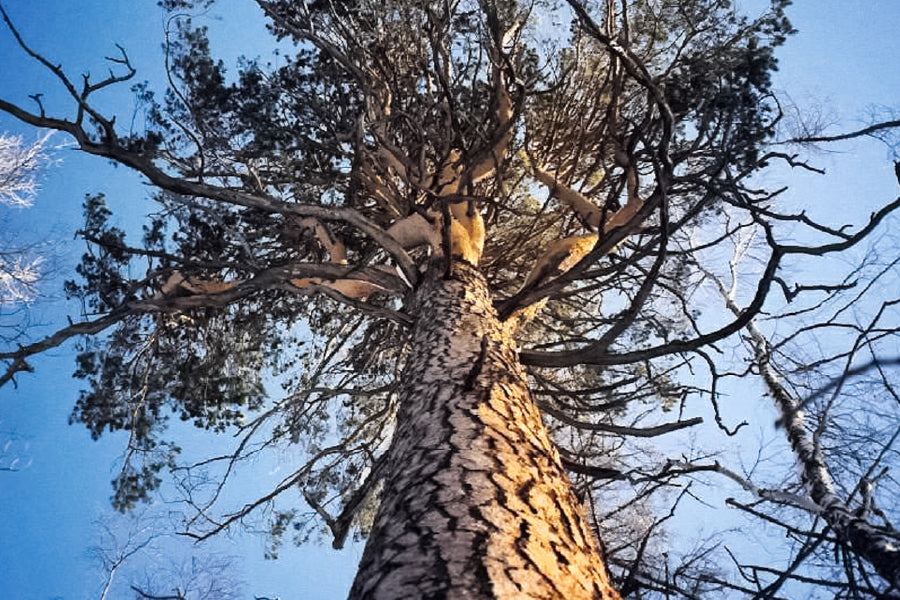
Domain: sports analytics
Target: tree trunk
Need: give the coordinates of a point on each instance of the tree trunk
(879, 546)
(475, 502)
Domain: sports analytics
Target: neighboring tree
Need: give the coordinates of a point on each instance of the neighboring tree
(466, 239)
(855, 523)
(139, 556)
(22, 264)
(20, 165)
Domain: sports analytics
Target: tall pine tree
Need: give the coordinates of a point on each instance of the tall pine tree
(460, 235)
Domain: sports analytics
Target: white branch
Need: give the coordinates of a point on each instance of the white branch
(20, 164)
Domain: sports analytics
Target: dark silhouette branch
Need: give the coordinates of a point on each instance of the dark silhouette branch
(812, 139)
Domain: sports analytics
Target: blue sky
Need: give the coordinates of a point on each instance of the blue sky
(844, 60)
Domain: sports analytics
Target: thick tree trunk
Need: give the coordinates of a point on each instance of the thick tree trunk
(475, 502)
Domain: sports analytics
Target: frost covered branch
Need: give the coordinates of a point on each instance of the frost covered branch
(20, 164)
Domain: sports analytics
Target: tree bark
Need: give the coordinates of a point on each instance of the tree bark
(879, 546)
(475, 502)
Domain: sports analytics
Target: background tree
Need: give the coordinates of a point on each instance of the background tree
(315, 208)
(127, 544)
(20, 265)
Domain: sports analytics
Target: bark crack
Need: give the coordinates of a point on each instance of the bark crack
(469, 383)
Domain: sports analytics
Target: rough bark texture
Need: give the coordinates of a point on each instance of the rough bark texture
(475, 502)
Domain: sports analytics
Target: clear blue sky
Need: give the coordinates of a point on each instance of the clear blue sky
(844, 58)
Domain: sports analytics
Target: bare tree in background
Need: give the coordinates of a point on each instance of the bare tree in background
(140, 556)
(20, 167)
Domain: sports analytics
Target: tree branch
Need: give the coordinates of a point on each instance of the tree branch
(643, 432)
(845, 136)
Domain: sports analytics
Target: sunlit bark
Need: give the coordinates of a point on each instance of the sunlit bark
(475, 501)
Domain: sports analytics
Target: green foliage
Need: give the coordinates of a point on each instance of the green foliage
(135, 483)
(305, 130)
(103, 267)
(722, 83)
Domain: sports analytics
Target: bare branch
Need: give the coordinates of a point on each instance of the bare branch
(812, 139)
(644, 432)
